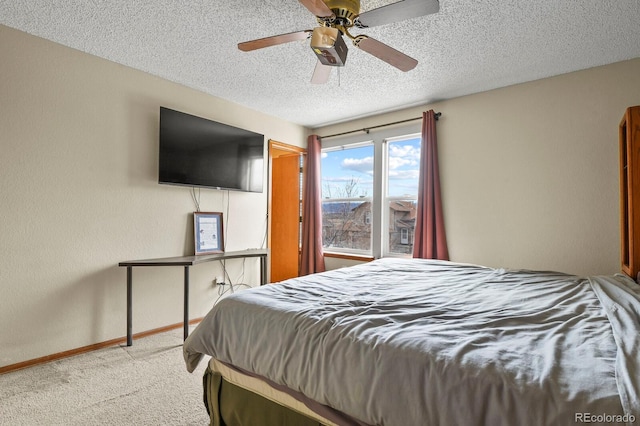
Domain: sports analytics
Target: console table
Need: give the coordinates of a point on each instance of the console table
(186, 262)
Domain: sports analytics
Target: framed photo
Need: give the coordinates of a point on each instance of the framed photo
(207, 232)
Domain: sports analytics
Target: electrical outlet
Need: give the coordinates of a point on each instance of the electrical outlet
(218, 281)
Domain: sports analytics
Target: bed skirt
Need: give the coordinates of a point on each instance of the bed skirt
(233, 398)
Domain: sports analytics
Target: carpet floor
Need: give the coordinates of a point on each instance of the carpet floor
(144, 384)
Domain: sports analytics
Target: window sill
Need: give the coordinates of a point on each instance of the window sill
(362, 258)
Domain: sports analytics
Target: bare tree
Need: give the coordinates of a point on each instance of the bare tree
(339, 221)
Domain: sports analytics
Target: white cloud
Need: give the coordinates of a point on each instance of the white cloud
(403, 155)
(397, 162)
(404, 174)
(362, 165)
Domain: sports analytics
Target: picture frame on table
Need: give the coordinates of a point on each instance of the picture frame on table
(208, 232)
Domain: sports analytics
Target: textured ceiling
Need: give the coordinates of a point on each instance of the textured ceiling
(468, 47)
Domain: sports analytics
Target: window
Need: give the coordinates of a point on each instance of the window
(347, 187)
(404, 236)
(369, 193)
(401, 195)
(367, 217)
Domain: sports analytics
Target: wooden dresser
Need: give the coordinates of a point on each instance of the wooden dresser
(629, 133)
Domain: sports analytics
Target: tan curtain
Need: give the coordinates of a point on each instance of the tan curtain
(430, 241)
(312, 256)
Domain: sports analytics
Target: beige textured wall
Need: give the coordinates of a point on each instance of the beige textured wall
(530, 179)
(79, 193)
(530, 172)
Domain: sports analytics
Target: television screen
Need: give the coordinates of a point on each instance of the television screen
(195, 151)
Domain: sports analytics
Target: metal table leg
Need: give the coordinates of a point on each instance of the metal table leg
(263, 270)
(129, 307)
(186, 302)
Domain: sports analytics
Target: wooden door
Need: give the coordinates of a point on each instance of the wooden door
(284, 215)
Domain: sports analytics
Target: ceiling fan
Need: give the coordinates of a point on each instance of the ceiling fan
(335, 19)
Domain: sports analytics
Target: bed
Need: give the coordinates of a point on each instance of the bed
(424, 342)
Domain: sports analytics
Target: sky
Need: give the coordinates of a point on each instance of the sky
(340, 167)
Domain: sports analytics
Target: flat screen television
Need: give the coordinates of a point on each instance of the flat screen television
(198, 152)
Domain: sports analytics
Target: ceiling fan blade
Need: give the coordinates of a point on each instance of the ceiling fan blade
(395, 12)
(386, 53)
(317, 7)
(321, 73)
(273, 40)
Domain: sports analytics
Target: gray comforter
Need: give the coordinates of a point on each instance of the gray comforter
(415, 342)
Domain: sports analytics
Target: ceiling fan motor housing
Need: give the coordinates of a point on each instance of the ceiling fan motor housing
(329, 47)
(346, 11)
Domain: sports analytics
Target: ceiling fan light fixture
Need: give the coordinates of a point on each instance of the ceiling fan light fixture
(329, 47)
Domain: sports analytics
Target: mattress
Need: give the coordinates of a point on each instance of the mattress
(418, 342)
